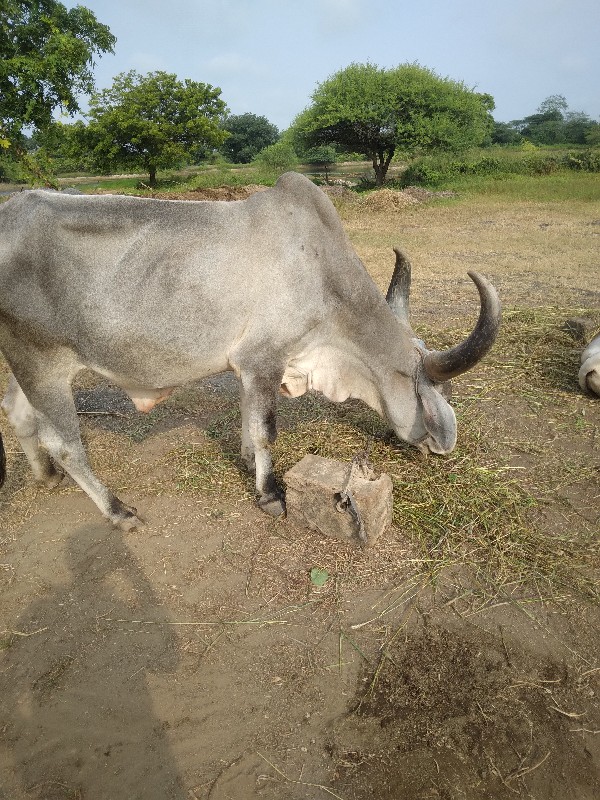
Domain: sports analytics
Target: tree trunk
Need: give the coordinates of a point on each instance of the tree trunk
(152, 171)
(381, 162)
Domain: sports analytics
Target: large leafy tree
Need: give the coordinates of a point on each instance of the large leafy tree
(153, 121)
(378, 112)
(46, 61)
(248, 135)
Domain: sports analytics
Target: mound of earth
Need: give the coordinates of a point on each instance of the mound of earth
(392, 200)
(379, 200)
(388, 200)
(217, 193)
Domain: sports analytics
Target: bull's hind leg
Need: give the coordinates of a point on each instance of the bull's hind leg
(259, 431)
(51, 401)
(22, 417)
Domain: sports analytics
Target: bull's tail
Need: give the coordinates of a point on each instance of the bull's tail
(2, 462)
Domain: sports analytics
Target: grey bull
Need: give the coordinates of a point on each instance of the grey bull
(152, 294)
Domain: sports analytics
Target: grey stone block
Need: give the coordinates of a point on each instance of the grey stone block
(341, 500)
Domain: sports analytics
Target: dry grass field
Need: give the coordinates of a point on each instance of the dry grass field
(459, 658)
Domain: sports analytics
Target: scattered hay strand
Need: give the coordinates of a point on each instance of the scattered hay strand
(309, 785)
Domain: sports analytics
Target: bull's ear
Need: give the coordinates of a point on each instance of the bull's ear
(438, 417)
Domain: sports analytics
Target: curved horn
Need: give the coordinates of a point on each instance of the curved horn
(398, 292)
(441, 366)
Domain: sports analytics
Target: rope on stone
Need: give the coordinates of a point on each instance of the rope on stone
(359, 468)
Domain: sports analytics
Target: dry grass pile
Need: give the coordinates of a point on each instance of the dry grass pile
(422, 195)
(379, 200)
(218, 193)
(341, 194)
(390, 200)
(387, 200)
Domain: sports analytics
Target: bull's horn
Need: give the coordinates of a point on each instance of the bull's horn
(398, 292)
(441, 366)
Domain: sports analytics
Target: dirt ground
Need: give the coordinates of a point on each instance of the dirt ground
(195, 658)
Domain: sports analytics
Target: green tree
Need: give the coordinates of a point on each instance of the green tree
(46, 60)
(505, 133)
(543, 127)
(321, 158)
(578, 127)
(552, 123)
(152, 122)
(592, 135)
(555, 103)
(380, 111)
(277, 158)
(248, 135)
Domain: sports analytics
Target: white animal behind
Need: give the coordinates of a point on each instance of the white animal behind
(589, 374)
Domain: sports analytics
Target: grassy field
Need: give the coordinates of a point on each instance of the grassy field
(565, 187)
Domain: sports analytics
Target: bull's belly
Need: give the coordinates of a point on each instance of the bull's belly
(149, 385)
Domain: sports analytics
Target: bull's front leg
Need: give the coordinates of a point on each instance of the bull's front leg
(259, 431)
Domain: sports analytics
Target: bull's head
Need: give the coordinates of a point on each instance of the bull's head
(428, 421)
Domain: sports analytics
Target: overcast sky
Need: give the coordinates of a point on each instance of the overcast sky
(267, 56)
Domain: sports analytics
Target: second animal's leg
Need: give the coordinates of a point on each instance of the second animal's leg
(259, 431)
(51, 399)
(22, 417)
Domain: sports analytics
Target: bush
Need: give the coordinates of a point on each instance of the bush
(277, 158)
(527, 160)
(540, 165)
(584, 161)
(431, 171)
(10, 170)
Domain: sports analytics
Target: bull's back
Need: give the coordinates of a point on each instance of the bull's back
(88, 270)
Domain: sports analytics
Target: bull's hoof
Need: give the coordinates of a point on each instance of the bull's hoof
(273, 505)
(52, 479)
(124, 517)
(128, 523)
